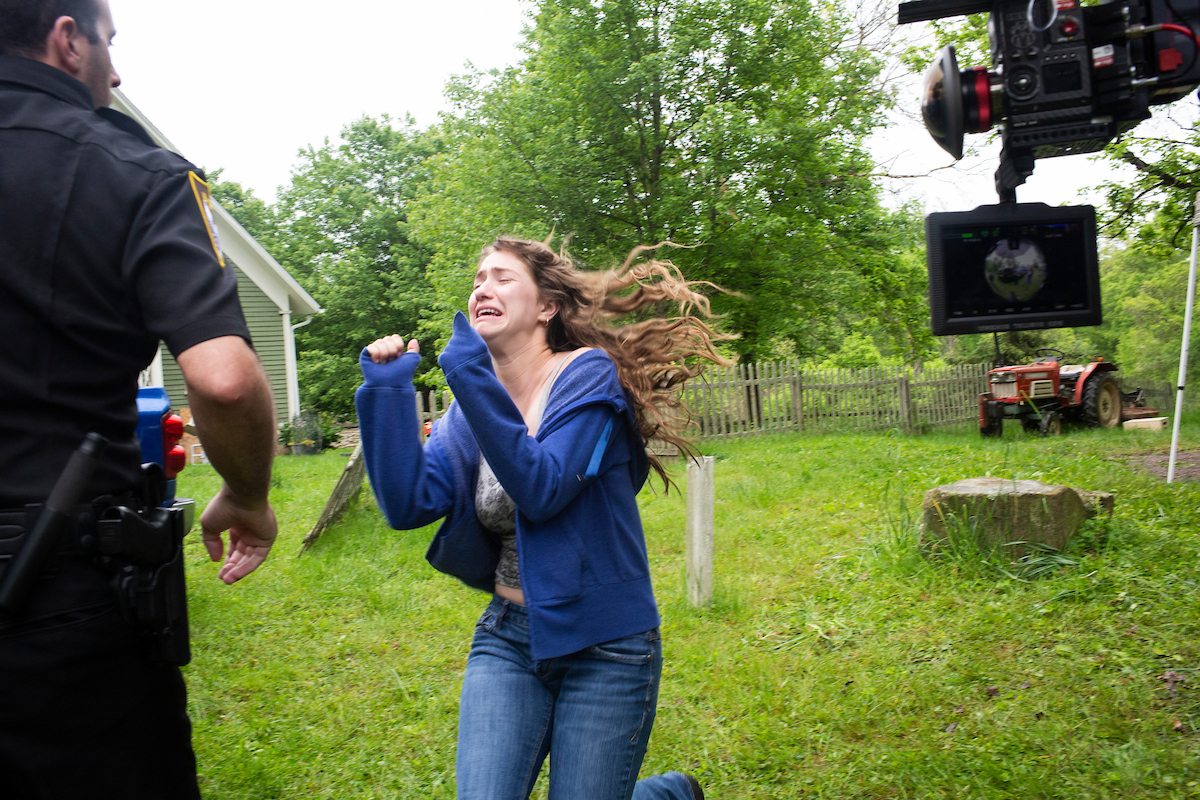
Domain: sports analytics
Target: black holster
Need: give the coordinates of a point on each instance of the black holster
(144, 548)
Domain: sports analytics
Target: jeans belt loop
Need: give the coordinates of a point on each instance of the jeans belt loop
(501, 612)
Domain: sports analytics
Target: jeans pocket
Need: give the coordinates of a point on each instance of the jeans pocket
(640, 648)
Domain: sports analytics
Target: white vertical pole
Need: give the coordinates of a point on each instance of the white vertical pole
(291, 375)
(1187, 335)
(700, 529)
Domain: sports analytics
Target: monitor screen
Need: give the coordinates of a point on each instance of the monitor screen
(1012, 267)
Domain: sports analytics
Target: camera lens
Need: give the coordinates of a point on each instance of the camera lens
(941, 103)
(956, 102)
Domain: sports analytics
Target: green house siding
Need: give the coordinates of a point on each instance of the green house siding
(266, 328)
(173, 379)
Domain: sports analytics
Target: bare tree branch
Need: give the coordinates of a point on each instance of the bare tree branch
(1165, 178)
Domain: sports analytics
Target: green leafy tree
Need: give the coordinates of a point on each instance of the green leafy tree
(341, 228)
(895, 305)
(733, 128)
(1016, 347)
(1155, 207)
(968, 35)
(252, 213)
(1145, 296)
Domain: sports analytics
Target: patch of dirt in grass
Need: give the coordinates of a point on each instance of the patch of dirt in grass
(1187, 464)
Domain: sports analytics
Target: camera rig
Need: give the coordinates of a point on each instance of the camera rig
(1064, 78)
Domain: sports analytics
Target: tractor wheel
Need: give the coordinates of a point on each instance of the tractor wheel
(993, 428)
(1101, 401)
(1051, 424)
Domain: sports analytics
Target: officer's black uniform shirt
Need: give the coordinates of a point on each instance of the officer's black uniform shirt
(104, 250)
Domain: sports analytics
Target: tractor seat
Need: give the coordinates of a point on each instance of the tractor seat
(1070, 370)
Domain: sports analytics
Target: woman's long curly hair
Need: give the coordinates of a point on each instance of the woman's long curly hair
(654, 355)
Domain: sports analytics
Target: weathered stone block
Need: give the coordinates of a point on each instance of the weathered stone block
(1003, 511)
(1098, 504)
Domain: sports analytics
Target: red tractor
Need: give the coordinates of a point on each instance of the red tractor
(1046, 393)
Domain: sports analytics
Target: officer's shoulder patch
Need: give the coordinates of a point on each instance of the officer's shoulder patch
(205, 201)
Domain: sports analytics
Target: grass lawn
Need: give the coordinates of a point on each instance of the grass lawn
(836, 662)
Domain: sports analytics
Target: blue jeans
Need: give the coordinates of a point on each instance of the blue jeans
(592, 711)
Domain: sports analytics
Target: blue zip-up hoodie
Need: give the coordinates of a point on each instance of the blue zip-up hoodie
(584, 568)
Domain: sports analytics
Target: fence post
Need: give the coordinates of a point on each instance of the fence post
(800, 396)
(794, 384)
(422, 399)
(907, 412)
(700, 530)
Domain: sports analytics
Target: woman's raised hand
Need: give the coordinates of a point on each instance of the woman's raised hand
(389, 348)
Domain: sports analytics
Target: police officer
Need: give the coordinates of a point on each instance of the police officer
(107, 245)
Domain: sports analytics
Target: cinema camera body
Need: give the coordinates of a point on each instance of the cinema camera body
(1064, 79)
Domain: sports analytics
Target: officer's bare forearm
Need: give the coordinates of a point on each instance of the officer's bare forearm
(234, 413)
(239, 441)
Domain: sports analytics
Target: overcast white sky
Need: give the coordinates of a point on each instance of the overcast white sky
(245, 84)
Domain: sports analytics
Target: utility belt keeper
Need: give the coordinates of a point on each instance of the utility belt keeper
(137, 541)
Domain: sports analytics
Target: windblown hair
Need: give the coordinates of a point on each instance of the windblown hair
(25, 24)
(654, 355)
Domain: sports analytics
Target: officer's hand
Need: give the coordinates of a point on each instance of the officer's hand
(389, 348)
(251, 534)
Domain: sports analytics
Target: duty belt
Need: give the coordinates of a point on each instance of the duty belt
(79, 539)
(84, 536)
(140, 547)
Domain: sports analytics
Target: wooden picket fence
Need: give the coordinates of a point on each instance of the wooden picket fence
(431, 406)
(776, 396)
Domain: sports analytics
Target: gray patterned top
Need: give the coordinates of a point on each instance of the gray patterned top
(498, 513)
(496, 510)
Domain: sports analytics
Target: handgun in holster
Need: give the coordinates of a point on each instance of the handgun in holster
(140, 543)
(143, 544)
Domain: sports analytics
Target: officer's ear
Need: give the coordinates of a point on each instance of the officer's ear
(63, 50)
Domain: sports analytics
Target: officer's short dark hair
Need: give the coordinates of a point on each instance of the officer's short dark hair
(25, 24)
